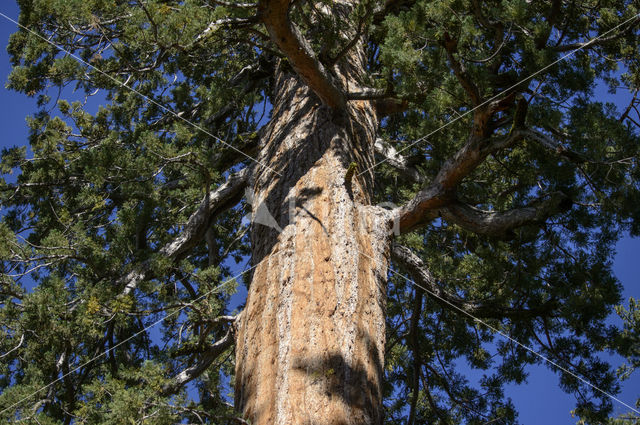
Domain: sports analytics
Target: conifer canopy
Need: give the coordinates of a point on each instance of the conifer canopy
(126, 205)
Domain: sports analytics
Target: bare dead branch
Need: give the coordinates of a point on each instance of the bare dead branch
(397, 161)
(235, 5)
(14, 348)
(552, 145)
(224, 23)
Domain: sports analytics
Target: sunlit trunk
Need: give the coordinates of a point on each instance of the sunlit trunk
(310, 346)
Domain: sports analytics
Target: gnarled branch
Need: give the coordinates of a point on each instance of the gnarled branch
(501, 224)
(217, 201)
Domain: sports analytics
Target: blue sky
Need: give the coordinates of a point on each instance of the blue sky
(539, 400)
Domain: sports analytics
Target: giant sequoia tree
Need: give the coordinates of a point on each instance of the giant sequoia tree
(373, 263)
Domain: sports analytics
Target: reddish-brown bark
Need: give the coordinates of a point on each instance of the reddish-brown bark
(311, 339)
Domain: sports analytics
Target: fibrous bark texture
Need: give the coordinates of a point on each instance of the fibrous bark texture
(311, 340)
(310, 344)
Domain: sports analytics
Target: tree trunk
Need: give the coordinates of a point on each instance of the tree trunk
(310, 344)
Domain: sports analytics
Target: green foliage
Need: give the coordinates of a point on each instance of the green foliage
(631, 337)
(629, 346)
(103, 189)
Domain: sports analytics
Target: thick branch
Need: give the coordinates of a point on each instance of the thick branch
(222, 198)
(421, 209)
(420, 274)
(275, 16)
(502, 224)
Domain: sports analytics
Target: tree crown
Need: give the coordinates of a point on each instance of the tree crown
(541, 179)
